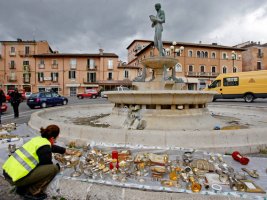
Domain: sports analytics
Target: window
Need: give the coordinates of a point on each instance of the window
(12, 50)
(213, 69)
(73, 63)
(26, 62)
(40, 76)
(215, 84)
(48, 95)
(198, 54)
(42, 63)
(54, 62)
(231, 81)
(26, 77)
(190, 68)
(224, 70)
(206, 54)
(258, 65)
(202, 55)
(224, 56)
(27, 50)
(126, 74)
(90, 63)
(110, 76)
(54, 76)
(91, 77)
(234, 70)
(178, 68)
(213, 55)
(202, 68)
(110, 64)
(190, 53)
(12, 64)
(72, 74)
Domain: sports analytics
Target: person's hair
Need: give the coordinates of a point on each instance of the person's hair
(158, 5)
(50, 131)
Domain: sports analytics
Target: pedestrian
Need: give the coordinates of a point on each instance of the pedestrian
(15, 100)
(31, 168)
(2, 100)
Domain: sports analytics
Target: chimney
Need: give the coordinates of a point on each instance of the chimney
(200, 42)
(101, 51)
(19, 40)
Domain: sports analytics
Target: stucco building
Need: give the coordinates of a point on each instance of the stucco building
(255, 56)
(34, 66)
(198, 64)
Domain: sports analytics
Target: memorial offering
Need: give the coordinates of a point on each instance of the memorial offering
(178, 170)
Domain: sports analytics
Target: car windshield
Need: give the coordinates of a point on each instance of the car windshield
(34, 95)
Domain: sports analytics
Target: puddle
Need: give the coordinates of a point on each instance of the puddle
(91, 121)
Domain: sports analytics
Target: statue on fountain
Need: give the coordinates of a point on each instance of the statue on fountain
(157, 22)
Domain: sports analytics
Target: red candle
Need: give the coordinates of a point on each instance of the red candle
(115, 154)
(111, 165)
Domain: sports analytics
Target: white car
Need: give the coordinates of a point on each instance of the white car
(27, 94)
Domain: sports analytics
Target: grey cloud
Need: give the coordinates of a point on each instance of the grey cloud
(86, 25)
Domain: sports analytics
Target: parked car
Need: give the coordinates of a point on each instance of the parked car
(27, 94)
(45, 99)
(119, 88)
(4, 107)
(91, 93)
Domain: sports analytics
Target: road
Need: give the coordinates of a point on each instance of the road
(25, 111)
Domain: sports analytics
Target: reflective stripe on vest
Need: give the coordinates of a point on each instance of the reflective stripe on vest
(25, 159)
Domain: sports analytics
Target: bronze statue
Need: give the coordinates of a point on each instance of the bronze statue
(157, 22)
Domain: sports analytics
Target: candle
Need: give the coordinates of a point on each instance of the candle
(115, 154)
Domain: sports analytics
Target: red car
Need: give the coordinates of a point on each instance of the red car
(91, 93)
(4, 107)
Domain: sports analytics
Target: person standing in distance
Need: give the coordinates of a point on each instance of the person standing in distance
(15, 99)
(2, 100)
(157, 23)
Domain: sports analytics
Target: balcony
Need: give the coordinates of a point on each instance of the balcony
(86, 81)
(94, 67)
(260, 55)
(54, 79)
(26, 68)
(26, 80)
(202, 74)
(11, 65)
(12, 78)
(12, 53)
(73, 66)
(54, 65)
(41, 79)
(41, 66)
(110, 67)
(110, 79)
(26, 53)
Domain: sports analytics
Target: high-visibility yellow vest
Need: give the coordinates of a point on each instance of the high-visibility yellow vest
(24, 159)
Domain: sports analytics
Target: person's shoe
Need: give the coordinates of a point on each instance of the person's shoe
(21, 191)
(39, 196)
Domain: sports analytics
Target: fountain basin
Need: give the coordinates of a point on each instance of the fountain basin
(159, 61)
(161, 97)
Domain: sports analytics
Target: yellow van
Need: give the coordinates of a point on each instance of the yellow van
(248, 85)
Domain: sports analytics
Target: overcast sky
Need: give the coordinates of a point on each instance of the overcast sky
(84, 26)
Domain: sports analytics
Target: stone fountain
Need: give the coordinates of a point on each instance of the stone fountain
(160, 104)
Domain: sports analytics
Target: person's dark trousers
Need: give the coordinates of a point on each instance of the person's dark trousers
(16, 109)
(0, 114)
(37, 181)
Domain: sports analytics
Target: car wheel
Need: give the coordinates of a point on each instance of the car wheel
(31, 107)
(80, 97)
(64, 102)
(249, 98)
(43, 105)
(94, 96)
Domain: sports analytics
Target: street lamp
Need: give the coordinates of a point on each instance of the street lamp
(233, 58)
(174, 50)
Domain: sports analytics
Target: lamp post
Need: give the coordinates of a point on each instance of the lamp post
(174, 50)
(233, 58)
